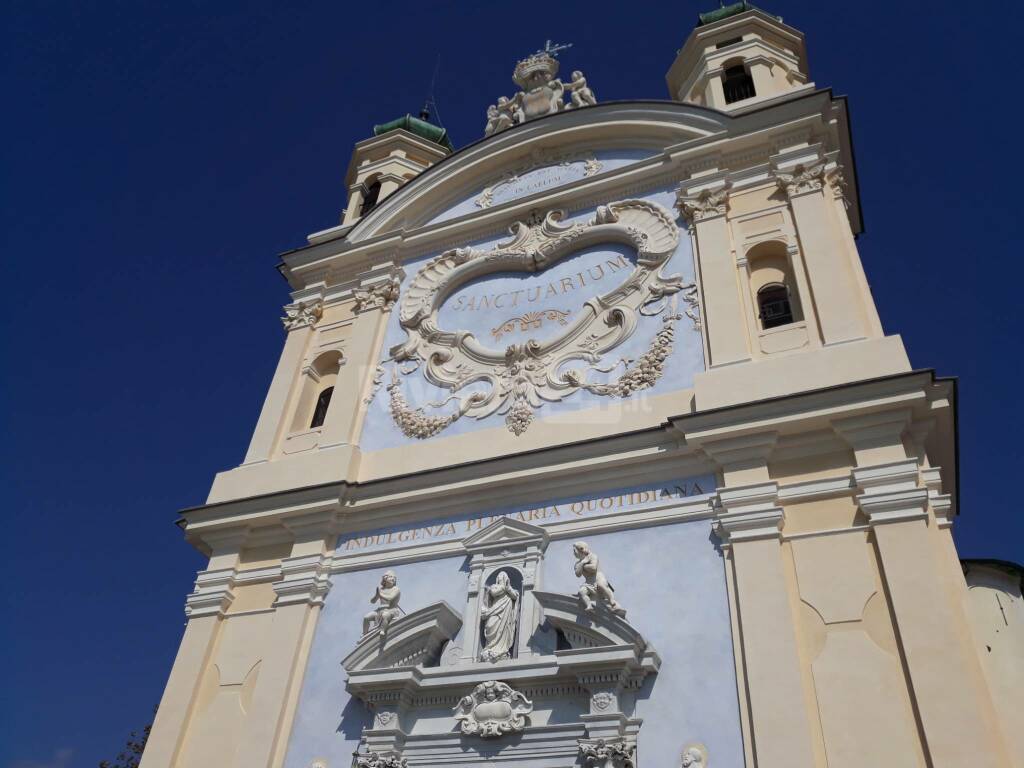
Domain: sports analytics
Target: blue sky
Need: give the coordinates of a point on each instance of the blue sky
(157, 157)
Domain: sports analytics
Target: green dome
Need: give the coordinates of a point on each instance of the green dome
(421, 128)
(725, 12)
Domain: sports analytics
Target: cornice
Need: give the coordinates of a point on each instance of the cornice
(675, 449)
(756, 135)
(212, 595)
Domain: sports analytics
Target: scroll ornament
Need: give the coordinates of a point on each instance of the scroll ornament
(810, 178)
(380, 296)
(302, 314)
(379, 760)
(518, 381)
(702, 205)
(493, 709)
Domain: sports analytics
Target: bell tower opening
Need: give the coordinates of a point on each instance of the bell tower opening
(738, 84)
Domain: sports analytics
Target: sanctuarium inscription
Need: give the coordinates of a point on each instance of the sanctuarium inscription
(595, 283)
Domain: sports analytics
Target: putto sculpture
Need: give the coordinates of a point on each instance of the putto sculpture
(542, 92)
(499, 614)
(493, 709)
(387, 594)
(595, 588)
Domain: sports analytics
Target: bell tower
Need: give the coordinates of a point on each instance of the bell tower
(399, 150)
(739, 56)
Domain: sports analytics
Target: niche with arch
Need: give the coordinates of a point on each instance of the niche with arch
(775, 298)
(312, 405)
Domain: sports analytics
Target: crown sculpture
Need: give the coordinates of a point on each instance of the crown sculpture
(542, 92)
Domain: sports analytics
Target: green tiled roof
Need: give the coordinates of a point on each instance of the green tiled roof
(724, 12)
(421, 128)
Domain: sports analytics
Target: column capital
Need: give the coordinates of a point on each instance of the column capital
(889, 492)
(212, 594)
(749, 513)
(379, 292)
(304, 580)
(805, 170)
(941, 503)
(873, 430)
(743, 449)
(302, 314)
(606, 753)
(702, 201)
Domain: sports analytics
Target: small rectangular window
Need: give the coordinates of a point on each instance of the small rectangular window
(730, 41)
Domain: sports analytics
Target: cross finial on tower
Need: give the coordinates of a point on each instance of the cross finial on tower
(552, 49)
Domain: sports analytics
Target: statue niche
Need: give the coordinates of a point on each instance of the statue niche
(499, 614)
(499, 663)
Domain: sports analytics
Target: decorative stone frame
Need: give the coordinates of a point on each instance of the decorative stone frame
(411, 673)
(523, 376)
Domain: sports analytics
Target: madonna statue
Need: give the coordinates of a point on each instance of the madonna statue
(499, 616)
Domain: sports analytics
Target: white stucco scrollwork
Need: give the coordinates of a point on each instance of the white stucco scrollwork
(519, 380)
(705, 204)
(610, 753)
(493, 709)
(302, 314)
(380, 296)
(811, 177)
(379, 760)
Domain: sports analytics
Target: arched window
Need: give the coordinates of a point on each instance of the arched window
(738, 84)
(322, 404)
(773, 307)
(370, 198)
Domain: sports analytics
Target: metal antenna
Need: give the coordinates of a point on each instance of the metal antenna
(430, 103)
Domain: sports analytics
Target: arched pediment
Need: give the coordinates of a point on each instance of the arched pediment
(622, 133)
(590, 629)
(414, 639)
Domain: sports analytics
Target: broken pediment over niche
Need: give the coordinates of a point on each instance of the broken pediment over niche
(529, 674)
(414, 639)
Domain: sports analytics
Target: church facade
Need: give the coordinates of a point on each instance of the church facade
(586, 447)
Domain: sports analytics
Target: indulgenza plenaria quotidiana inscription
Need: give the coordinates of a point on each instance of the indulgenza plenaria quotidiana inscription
(521, 378)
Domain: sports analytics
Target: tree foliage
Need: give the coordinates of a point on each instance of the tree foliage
(130, 756)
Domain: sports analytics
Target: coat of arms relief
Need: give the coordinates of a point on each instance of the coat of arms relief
(574, 354)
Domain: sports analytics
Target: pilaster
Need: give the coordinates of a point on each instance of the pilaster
(705, 205)
(300, 594)
(205, 608)
(750, 526)
(299, 321)
(805, 176)
(373, 300)
(954, 709)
